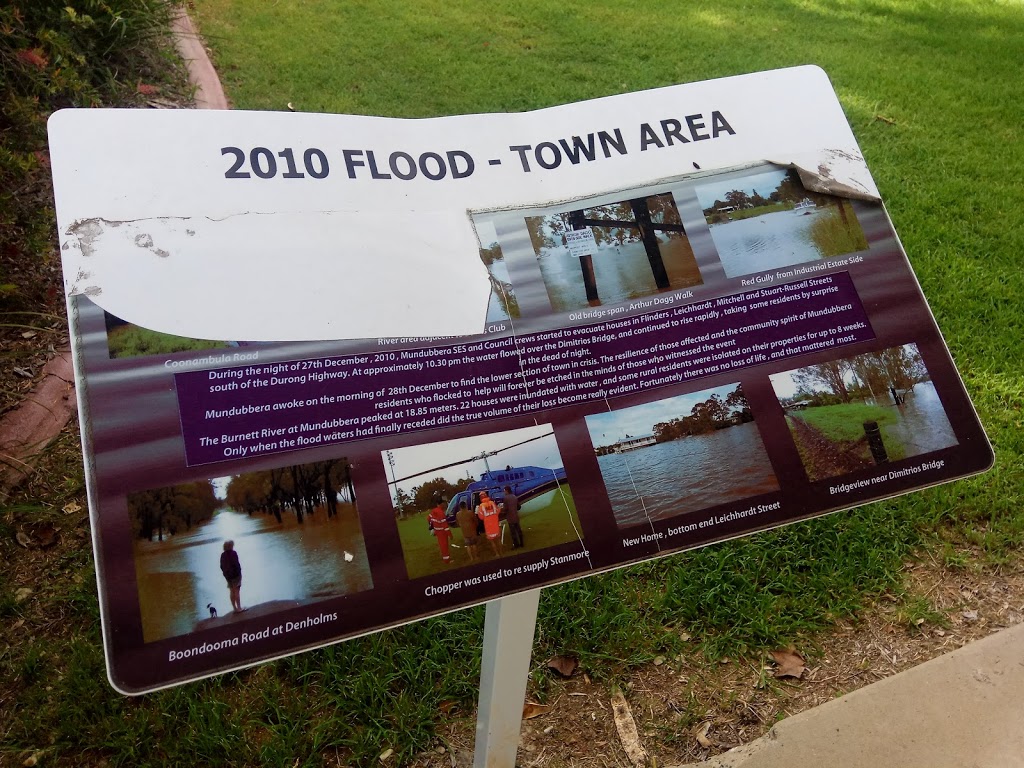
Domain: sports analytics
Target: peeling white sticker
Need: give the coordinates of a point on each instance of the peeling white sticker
(288, 270)
(839, 172)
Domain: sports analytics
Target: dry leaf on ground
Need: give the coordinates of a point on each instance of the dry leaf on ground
(532, 709)
(564, 665)
(789, 663)
(44, 534)
(446, 706)
(702, 736)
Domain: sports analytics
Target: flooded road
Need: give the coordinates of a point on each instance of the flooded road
(687, 475)
(622, 273)
(286, 561)
(766, 242)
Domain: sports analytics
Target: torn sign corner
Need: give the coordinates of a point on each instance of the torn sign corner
(840, 172)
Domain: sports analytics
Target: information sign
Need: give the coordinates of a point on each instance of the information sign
(339, 373)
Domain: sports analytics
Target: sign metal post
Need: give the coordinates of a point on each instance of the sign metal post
(508, 642)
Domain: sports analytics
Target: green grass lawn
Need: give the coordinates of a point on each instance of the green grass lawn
(761, 210)
(547, 520)
(846, 421)
(844, 424)
(933, 93)
(133, 341)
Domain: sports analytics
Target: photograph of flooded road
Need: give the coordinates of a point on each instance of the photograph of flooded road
(859, 412)
(293, 531)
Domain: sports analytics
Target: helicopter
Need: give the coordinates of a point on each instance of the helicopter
(527, 482)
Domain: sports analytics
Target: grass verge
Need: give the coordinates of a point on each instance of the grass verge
(133, 341)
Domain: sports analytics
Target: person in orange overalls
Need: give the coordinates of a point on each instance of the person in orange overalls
(488, 511)
(440, 528)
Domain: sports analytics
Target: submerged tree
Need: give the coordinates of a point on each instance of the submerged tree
(898, 368)
(301, 489)
(538, 228)
(707, 416)
(161, 511)
(829, 375)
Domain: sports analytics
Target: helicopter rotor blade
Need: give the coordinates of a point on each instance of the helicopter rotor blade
(471, 458)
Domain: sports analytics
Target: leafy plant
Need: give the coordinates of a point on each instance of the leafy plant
(55, 54)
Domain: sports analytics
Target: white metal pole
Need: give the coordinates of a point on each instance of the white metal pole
(508, 643)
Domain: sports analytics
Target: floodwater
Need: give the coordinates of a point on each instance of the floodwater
(687, 475)
(180, 575)
(922, 426)
(766, 242)
(622, 272)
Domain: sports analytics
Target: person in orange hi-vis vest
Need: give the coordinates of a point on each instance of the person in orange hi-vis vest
(440, 528)
(488, 511)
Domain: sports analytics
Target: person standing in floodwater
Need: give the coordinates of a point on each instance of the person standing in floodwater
(232, 570)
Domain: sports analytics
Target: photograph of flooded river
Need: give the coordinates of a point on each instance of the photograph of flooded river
(767, 242)
(769, 220)
(680, 455)
(292, 552)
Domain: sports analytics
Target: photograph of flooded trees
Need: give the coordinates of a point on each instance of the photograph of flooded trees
(680, 455)
(640, 249)
(216, 551)
(859, 412)
(769, 220)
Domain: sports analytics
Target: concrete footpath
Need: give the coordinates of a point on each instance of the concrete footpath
(964, 709)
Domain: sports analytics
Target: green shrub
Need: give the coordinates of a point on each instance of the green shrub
(54, 54)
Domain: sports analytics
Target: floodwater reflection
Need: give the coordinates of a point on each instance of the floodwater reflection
(285, 562)
(921, 423)
(622, 272)
(687, 475)
(765, 242)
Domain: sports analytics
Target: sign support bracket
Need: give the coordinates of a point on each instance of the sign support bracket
(509, 626)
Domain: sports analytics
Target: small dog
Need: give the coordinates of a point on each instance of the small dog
(213, 611)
